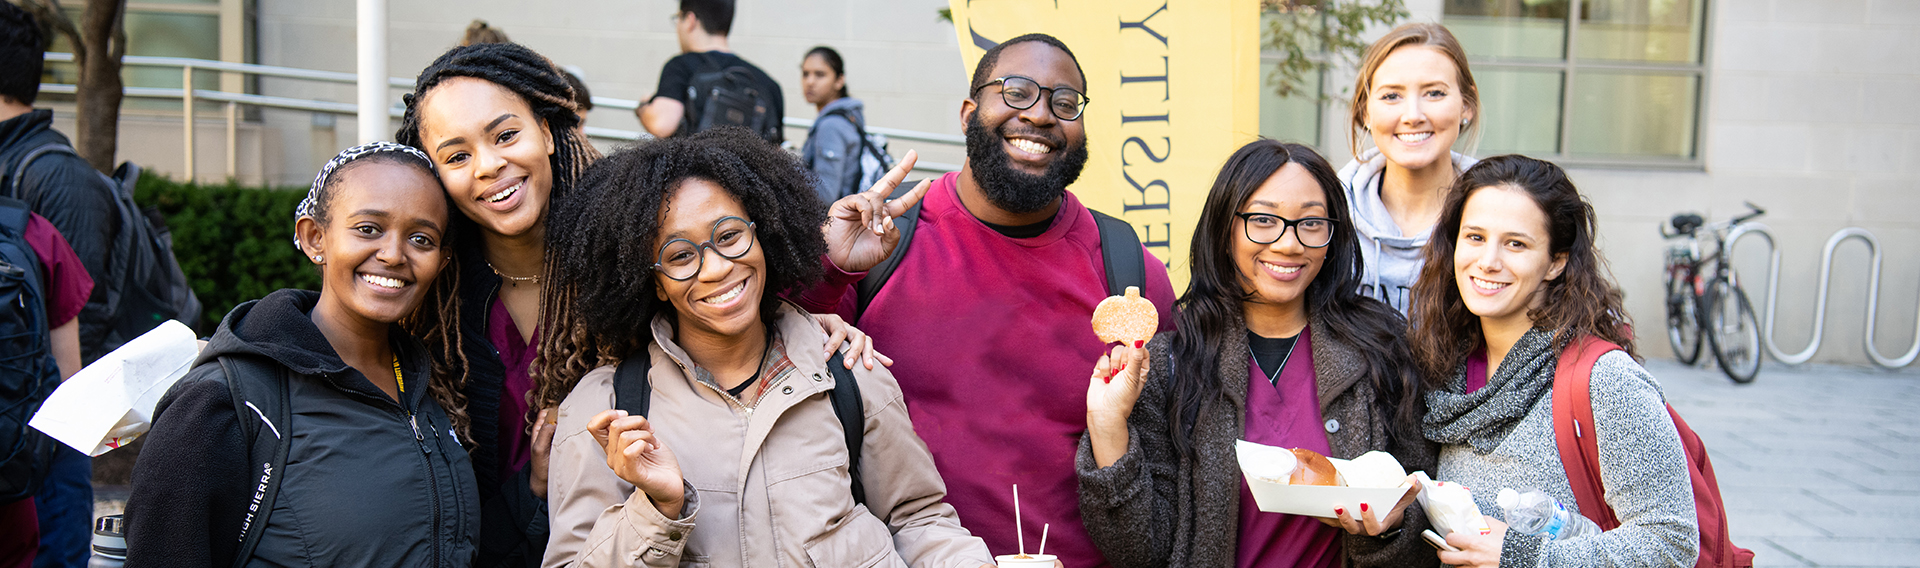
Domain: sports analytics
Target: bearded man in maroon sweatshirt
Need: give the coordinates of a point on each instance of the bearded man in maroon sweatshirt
(986, 315)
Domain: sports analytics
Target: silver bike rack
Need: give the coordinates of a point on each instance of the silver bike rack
(1820, 308)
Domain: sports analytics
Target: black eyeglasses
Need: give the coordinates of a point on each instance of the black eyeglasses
(1313, 232)
(680, 259)
(1020, 93)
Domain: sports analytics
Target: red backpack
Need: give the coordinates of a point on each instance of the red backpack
(1580, 453)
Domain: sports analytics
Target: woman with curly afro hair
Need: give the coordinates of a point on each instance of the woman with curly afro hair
(678, 251)
(501, 124)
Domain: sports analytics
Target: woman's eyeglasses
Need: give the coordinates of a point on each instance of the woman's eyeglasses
(1313, 232)
(680, 259)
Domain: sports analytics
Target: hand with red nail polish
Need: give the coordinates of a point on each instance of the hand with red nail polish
(1117, 380)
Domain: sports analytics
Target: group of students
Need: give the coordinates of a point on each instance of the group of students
(524, 353)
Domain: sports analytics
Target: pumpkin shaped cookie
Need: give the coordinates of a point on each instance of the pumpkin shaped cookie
(1128, 319)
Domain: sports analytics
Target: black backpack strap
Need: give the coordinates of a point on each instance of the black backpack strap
(1120, 252)
(19, 174)
(260, 397)
(877, 276)
(633, 392)
(632, 389)
(851, 411)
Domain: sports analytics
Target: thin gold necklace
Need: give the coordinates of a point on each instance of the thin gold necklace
(513, 280)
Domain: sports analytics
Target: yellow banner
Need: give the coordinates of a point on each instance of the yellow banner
(1174, 90)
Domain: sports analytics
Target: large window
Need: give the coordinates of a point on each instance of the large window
(1587, 81)
(172, 28)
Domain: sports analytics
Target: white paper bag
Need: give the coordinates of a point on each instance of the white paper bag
(109, 403)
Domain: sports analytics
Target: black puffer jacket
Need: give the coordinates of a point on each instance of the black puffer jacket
(360, 489)
(77, 199)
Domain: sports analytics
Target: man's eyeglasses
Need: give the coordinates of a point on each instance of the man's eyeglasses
(1313, 232)
(1021, 92)
(681, 259)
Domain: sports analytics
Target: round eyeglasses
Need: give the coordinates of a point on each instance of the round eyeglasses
(1313, 232)
(1020, 93)
(680, 259)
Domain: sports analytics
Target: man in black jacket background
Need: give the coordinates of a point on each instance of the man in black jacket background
(65, 189)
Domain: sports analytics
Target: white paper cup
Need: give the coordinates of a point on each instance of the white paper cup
(1031, 561)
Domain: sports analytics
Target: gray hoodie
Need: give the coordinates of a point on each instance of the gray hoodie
(1392, 259)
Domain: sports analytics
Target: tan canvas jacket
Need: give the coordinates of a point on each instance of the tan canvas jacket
(767, 486)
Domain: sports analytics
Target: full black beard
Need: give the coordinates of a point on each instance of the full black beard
(1016, 191)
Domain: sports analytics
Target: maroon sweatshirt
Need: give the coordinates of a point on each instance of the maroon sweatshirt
(993, 346)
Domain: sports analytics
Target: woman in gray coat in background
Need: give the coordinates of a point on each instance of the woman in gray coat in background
(1275, 346)
(833, 147)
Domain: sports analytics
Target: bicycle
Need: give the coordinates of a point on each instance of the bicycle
(1713, 307)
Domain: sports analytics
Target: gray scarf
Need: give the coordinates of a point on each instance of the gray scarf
(1484, 417)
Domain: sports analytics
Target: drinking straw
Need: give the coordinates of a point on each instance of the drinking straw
(1017, 533)
(1043, 539)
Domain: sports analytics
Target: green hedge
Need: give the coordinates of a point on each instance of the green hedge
(234, 242)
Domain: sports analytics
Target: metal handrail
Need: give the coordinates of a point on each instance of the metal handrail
(189, 96)
(1820, 305)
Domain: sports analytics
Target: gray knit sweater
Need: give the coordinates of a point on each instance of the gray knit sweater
(1642, 466)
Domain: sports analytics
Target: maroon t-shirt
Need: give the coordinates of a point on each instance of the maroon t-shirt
(517, 355)
(67, 284)
(1477, 374)
(1285, 414)
(992, 343)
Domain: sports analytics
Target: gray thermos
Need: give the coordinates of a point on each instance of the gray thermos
(109, 542)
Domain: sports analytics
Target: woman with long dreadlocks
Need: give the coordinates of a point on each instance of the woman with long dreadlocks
(499, 122)
(675, 254)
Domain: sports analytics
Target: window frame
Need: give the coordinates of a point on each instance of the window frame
(1570, 66)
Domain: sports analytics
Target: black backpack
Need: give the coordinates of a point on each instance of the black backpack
(730, 95)
(874, 160)
(27, 369)
(633, 392)
(144, 283)
(1119, 251)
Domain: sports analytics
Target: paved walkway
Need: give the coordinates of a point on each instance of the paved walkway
(1819, 466)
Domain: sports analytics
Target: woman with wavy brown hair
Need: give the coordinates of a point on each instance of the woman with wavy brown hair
(1512, 279)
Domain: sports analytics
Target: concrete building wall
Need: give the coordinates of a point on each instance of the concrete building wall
(1804, 119)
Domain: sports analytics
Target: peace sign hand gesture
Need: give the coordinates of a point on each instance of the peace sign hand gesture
(860, 231)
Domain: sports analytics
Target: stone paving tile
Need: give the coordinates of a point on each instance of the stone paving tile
(1818, 466)
(1852, 551)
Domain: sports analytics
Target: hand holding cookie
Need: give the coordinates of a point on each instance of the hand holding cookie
(1128, 320)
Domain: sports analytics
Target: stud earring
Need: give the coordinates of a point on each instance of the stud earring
(1466, 123)
(316, 258)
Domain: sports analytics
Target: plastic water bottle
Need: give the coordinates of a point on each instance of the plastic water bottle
(1539, 514)
(109, 542)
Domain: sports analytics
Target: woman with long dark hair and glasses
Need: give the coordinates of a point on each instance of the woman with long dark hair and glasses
(1276, 346)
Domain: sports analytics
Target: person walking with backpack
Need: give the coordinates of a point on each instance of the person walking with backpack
(707, 86)
(1512, 284)
(837, 147)
(42, 289)
(700, 422)
(311, 430)
(38, 166)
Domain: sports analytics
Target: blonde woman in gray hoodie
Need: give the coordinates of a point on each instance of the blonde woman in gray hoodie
(1413, 100)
